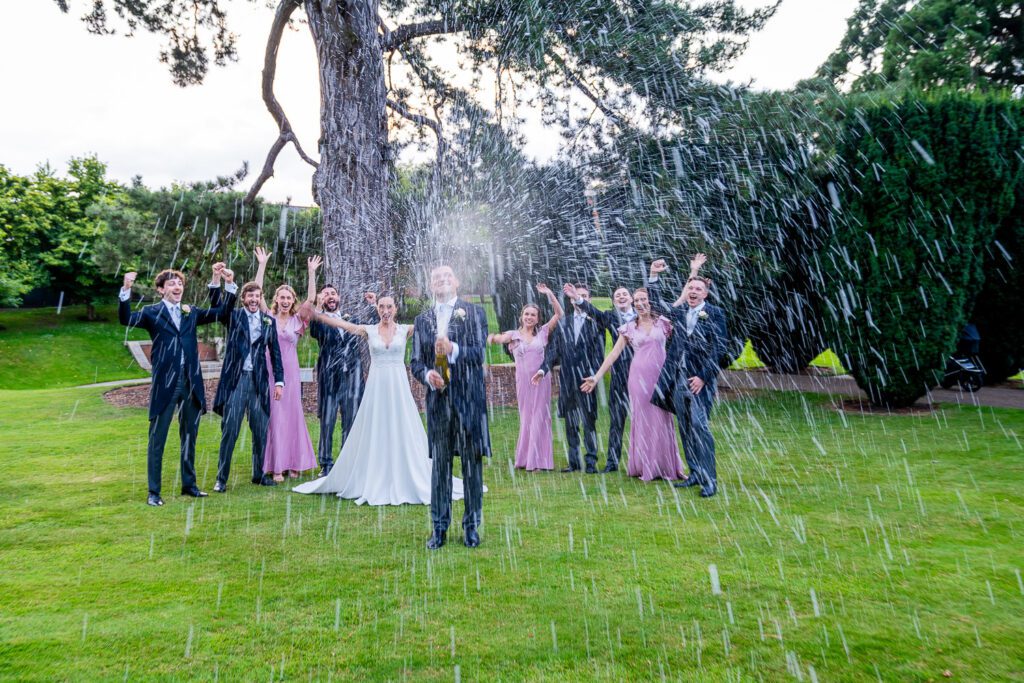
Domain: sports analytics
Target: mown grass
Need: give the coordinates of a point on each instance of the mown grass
(848, 547)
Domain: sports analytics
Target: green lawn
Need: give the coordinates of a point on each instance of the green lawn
(847, 547)
(39, 348)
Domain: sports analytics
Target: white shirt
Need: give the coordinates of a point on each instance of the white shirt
(443, 311)
(691, 317)
(255, 321)
(578, 319)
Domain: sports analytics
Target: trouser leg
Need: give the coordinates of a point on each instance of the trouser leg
(259, 422)
(473, 490)
(234, 411)
(328, 418)
(158, 428)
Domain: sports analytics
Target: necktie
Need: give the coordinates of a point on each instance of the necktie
(176, 316)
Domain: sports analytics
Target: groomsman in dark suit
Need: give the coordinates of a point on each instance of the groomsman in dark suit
(448, 352)
(578, 346)
(339, 371)
(177, 376)
(689, 380)
(618, 397)
(244, 386)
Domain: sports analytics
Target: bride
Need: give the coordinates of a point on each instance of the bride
(384, 460)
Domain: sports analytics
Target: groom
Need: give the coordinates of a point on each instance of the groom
(448, 357)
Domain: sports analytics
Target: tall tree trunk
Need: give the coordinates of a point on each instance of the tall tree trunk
(351, 183)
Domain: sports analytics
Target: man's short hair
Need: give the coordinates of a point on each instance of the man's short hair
(698, 278)
(328, 286)
(248, 287)
(582, 285)
(168, 274)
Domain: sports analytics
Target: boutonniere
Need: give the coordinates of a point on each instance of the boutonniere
(186, 309)
(459, 314)
(703, 315)
(266, 322)
(347, 316)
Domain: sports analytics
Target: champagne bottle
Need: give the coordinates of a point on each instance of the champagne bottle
(441, 365)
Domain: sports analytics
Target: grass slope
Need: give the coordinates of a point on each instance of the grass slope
(847, 548)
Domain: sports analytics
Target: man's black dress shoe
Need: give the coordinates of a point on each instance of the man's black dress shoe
(219, 488)
(154, 500)
(194, 492)
(707, 493)
(570, 469)
(472, 538)
(324, 471)
(436, 540)
(686, 483)
(591, 469)
(610, 467)
(268, 480)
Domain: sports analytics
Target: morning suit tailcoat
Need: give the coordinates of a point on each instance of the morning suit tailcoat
(339, 367)
(170, 344)
(465, 393)
(577, 359)
(237, 347)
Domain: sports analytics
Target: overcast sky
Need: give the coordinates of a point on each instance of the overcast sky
(68, 93)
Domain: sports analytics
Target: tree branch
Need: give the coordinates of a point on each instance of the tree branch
(285, 132)
(421, 120)
(578, 82)
(406, 32)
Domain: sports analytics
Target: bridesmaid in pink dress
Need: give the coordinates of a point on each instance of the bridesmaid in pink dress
(534, 448)
(653, 451)
(289, 447)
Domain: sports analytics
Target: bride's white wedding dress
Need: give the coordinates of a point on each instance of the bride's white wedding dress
(384, 460)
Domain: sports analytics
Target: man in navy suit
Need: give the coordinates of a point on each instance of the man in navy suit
(578, 346)
(689, 380)
(339, 372)
(449, 338)
(244, 386)
(177, 377)
(618, 395)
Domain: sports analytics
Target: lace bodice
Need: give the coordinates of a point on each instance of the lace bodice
(387, 355)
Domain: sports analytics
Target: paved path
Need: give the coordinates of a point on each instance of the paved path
(843, 385)
(838, 385)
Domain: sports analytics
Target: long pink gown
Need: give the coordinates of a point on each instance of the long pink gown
(288, 444)
(534, 450)
(653, 451)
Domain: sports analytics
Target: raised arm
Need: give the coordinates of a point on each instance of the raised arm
(262, 256)
(125, 314)
(306, 312)
(555, 304)
(312, 264)
(502, 338)
(696, 262)
(590, 383)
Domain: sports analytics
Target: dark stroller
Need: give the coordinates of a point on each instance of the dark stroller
(964, 367)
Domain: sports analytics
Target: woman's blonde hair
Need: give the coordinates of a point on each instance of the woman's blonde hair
(295, 299)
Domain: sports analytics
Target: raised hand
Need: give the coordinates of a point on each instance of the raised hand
(543, 289)
(262, 255)
(696, 262)
(658, 267)
(229, 275)
(370, 298)
(129, 279)
(589, 384)
(314, 262)
(570, 291)
(218, 271)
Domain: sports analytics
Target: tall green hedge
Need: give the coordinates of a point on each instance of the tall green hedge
(999, 310)
(926, 183)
